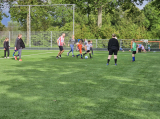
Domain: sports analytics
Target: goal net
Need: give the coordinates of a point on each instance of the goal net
(145, 43)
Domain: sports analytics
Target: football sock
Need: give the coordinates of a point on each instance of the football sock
(60, 55)
(133, 58)
(78, 55)
(108, 61)
(81, 55)
(115, 61)
(13, 53)
(90, 55)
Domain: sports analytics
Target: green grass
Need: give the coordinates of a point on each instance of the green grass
(42, 87)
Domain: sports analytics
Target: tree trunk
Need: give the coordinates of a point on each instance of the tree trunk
(100, 16)
(28, 28)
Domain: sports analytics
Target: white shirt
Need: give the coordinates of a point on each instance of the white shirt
(60, 41)
(88, 46)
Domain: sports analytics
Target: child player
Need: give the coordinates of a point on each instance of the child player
(133, 50)
(149, 47)
(88, 48)
(6, 47)
(80, 49)
(14, 52)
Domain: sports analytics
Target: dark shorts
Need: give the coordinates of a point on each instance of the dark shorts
(61, 48)
(134, 52)
(87, 51)
(111, 51)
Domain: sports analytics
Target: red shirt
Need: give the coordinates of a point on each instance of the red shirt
(60, 41)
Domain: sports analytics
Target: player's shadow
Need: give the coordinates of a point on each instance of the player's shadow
(70, 89)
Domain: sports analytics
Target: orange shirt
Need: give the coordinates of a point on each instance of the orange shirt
(80, 46)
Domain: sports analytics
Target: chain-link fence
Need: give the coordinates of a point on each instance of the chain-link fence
(48, 39)
(125, 43)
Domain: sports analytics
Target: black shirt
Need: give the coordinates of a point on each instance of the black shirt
(6, 44)
(113, 44)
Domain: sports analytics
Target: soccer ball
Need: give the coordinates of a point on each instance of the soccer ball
(86, 57)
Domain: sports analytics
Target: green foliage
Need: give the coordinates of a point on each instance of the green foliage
(120, 17)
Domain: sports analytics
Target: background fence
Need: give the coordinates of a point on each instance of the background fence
(48, 39)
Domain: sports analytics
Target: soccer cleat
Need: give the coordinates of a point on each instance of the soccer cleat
(76, 56)
(15, 58)
(107, 64)
(115, 64)
(132, 61)
(20, 59)
(73, 56)
(81, 57)
(5, 57)
(8, 57)
(91, 57)
(57, 57)
(60, 57)
(67, 53)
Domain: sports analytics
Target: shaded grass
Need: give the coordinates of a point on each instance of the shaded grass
(69, 88)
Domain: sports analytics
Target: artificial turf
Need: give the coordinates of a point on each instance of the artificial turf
(43, 87)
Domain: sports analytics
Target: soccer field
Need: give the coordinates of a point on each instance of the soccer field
(43, 87)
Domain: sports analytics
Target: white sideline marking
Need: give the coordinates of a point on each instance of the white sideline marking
(27, 55)
(95, 53)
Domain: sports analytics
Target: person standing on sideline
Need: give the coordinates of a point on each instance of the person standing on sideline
(60, 43)
(113, 47)
(19, 45)
(71, 42)
(6, 47)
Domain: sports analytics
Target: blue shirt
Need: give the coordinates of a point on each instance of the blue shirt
(79, 40)
(139, 45)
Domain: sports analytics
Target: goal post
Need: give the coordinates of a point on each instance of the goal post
(43, 18)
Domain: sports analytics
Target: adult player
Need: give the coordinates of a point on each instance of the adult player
(143, 49)
(113, 47)
(71, 43)
(60, 43)
(139, 47)
(19, 45)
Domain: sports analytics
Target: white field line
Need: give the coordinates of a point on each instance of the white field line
(94, 53)
(29, 55)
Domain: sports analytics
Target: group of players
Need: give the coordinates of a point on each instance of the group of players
(87, 46)
(113, 47)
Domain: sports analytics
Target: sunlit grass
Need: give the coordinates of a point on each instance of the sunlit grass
(43, 87)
